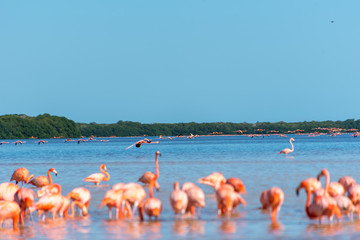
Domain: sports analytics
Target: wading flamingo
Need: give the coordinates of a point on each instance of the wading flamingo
(21, 175)
(81, 206)
(152, 206)
(25, 198)
(151, 178)
(53, 203)
(213, 180)
(238, 185)
(228, 199)
(288, 150)
(8, 191)
(98, 177)
(113, 199)
(133, 195)
(178, 199)
(41, 181)
(196, 197)
(344, 203)
(81, 195)
(9, 210)
(321, 205)
(274, 198)
(347, 182)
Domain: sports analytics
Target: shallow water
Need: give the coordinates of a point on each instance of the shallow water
(254, 160)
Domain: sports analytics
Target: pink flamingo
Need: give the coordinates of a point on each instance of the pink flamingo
(81, 195)
(288, 150)
(113, 199)
(347, 182)
(196, 197)
(152, 206)
(41, 181)
(213, 180)
(178, 199)
(228, 199)
(321, 205)
(53, 203)
(151, 178)
(8, 191)
(9, 210)
(238, 185)
(25, 198)
(274, 198)
(21, 175)
(344, 203)
(98, 177)
(133, 195)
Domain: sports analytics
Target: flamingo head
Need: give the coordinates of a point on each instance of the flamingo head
(103, 167)
(323, 172)
(53, 170)
(292, 139)
(158, 153)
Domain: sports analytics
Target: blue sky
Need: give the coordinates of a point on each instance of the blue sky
(181, 61)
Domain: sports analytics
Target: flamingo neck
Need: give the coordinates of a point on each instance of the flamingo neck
(58, 186)
(176, 186)
(106, 174)
(72, 209)
(151, 186)
(292, 145)
(157, 166)
(327, 183)
(307, 206)
(29, 178)
(49, 177)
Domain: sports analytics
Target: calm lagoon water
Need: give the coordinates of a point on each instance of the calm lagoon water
(254, 160)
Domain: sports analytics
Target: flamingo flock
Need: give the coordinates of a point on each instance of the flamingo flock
(336, 199)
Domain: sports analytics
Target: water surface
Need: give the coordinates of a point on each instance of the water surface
(254, 160)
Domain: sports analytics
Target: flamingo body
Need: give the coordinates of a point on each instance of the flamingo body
(178, 199)
(9, 210)
(98, 177)
(274, 198)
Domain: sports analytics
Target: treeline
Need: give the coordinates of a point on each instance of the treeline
(42, 126)
(48, 126)
(126, 128)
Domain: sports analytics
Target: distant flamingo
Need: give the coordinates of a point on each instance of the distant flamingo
(287, 150)
(178, 199)
(41, 141)
(41, 181)
(1, 143)
(149, 177)
(98, 177)
(21, 175)
(8, 191)
(81, 195)
(196, 197)
(9, 210)
(274, 198)
(213, 180)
